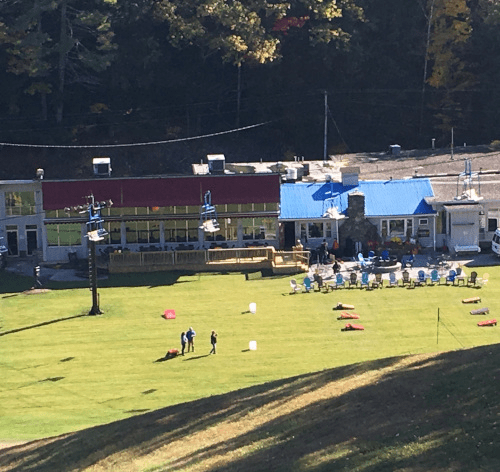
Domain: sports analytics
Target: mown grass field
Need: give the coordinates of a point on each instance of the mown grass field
(82, 371)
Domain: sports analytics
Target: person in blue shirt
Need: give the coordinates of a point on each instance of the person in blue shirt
(190, 334)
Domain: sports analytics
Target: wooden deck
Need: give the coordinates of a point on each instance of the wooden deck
(227, 260)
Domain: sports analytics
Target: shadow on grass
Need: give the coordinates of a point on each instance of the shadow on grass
(435, 412)
(44, 323)
(196, 357)
(12, 283)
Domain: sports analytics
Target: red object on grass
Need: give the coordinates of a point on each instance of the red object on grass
(352, 327)
(492, 322)
(169, 314)
(348, 316)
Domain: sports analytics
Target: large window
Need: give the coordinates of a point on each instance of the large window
(69, 234)
(142, 232)
(315, 230)
(397, 228)
(259, 228)
(19, 203)
(228, 231)
(114, 232)
(181, 230)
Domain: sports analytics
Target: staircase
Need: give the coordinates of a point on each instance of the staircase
(287, 262)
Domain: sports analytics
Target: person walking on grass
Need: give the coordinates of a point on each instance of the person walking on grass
(184, 341)
(190, 334)
(213, 341)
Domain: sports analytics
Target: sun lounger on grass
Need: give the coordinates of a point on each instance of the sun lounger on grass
(488, 323)
(480, 311)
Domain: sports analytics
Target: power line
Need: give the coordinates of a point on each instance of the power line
(152, 143)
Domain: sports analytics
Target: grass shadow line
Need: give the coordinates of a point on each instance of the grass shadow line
(45, 323)
(197, 357)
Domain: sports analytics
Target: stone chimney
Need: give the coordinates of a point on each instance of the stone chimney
(356, 228)
(356, 206)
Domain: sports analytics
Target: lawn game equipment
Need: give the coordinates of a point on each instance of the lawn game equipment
(492, 322)
(348, 316)
(352, 327)
(471, 300)
(343, 306)
(480, 311)
(168, 315)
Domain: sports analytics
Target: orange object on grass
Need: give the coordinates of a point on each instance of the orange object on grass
(492, 322)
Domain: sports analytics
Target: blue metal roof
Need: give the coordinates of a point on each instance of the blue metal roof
(304, 200)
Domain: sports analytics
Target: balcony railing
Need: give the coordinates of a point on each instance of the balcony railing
(238, 258)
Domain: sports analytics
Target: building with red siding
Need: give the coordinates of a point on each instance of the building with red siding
(161, 213)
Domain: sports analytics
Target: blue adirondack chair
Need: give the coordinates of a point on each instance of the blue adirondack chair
(450, 278)
(435, 278)
(308, 285)
(421, 279)
(339, 281)
(362, 261)
(365, 282)
(393, 281)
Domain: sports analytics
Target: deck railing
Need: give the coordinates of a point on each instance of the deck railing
(171, 259)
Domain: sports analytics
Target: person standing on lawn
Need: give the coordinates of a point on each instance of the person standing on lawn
(184, 341)
(323, 251)
(213, 341)
(190, 334)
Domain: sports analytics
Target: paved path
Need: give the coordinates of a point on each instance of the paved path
(422, 262)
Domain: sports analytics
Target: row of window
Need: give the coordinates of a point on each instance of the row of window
(171, 210)
(148, 232)
(389, 228)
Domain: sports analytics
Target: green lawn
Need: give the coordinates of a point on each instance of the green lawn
(82, 370)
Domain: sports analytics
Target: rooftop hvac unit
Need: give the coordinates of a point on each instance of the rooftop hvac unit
(101, 166)
(394, 149)
(291, 174)
(216, 163)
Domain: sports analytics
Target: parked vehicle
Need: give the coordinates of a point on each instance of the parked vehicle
(495, 243)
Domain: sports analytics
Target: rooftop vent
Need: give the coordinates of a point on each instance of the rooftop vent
(292, 174)
(394, 149)
(350, 176)
(216, 163)
(101, 166)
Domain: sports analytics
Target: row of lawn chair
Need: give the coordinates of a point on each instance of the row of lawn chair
(317, 284)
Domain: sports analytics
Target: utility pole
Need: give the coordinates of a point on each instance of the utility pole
(452, 142)
(326, 129)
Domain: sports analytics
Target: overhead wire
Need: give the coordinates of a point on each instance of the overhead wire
(151, 143)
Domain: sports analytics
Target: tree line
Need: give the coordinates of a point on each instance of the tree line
(102, 72)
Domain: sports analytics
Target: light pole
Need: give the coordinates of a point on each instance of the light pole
(95, 233)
